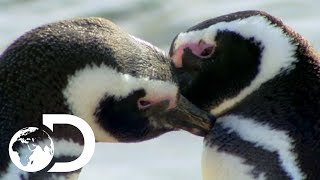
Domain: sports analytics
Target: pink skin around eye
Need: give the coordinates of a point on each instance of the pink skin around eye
(197, 49)
(145, 103)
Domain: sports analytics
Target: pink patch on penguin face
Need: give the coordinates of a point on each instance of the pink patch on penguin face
(177, 56)
(144, 103)
(202, 50)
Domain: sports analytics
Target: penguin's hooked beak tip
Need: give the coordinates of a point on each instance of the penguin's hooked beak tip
(188, 117)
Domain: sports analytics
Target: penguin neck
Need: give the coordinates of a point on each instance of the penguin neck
(278, 121)
(29, 89)
(290, 86)
(289, 103)
(294, 92)
(300, 60)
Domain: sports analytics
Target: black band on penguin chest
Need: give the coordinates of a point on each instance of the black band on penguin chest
(263, 162)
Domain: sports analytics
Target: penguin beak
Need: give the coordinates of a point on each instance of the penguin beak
(188, 117)
(184, 116)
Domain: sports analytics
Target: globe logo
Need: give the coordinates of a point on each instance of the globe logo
(31, 149)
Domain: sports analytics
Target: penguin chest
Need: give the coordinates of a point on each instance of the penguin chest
(224, 166)
(242, 148)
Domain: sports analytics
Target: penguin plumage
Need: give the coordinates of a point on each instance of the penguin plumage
(122, 86)
(262, 81)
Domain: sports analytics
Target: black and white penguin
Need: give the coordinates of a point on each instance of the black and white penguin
(122, 86)
(261, 80)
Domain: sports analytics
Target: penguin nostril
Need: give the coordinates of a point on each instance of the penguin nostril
(142, 104)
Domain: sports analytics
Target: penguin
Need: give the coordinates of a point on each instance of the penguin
(261, 80)
(123, 87)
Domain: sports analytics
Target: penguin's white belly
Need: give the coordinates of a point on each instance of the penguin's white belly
(223, 166)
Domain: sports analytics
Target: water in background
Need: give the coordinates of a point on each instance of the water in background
(174, 155)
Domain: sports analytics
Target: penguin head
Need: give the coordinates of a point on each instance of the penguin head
(122, 86)
(222, 60)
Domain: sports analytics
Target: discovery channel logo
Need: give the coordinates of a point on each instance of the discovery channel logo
(38, 148)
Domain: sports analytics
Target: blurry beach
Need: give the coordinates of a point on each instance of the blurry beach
(172, 156)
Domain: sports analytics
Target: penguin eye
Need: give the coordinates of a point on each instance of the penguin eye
(207, 52)
(143, 104)
(202, 49)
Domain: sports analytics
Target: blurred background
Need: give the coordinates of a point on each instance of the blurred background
(174, 155)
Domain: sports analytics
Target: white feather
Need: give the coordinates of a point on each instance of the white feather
(223, 166)
(268, 138)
